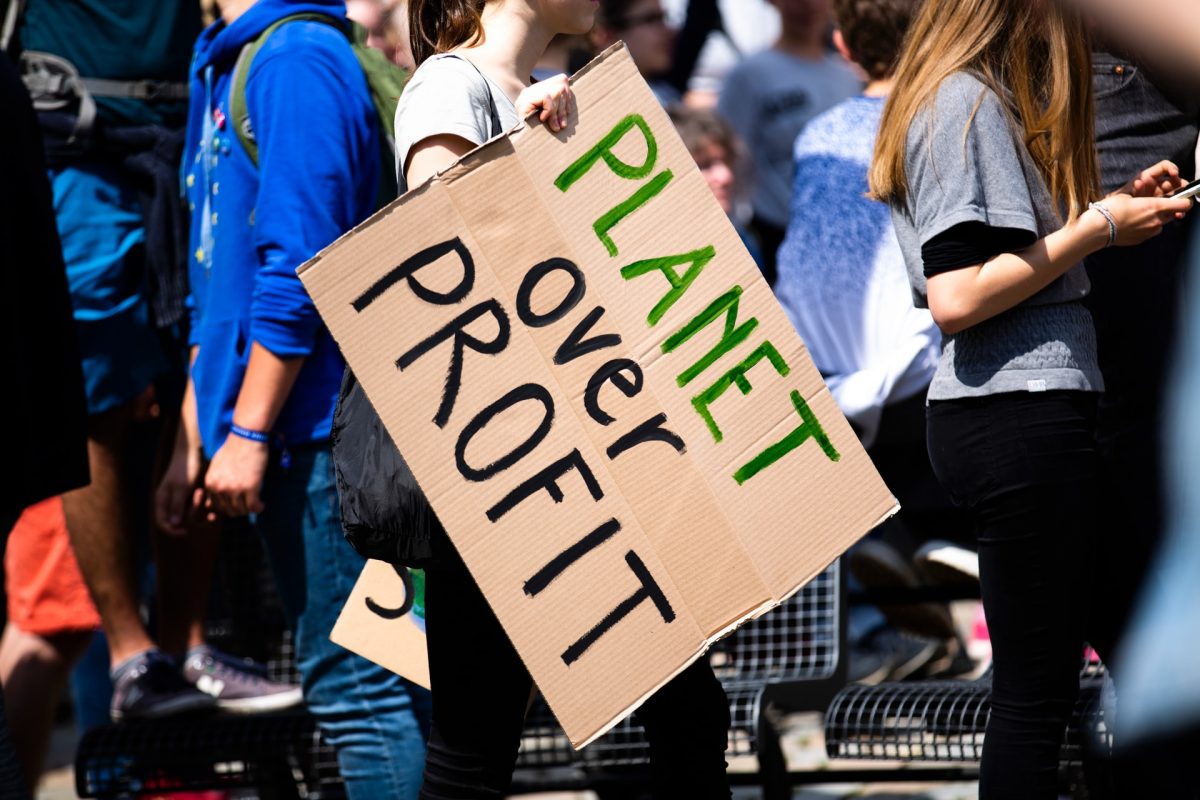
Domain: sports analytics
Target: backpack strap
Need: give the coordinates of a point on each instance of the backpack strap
(8, 27)
(239, 111)
(497, 127)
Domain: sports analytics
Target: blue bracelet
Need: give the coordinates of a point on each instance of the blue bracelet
(246, 433)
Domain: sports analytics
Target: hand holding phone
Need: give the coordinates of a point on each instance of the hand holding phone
(1187, 191)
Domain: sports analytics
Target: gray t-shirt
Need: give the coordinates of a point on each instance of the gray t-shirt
(768, 99)
(966, 163)
(448, 95)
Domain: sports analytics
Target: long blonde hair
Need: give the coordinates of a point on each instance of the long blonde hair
(1037, 54)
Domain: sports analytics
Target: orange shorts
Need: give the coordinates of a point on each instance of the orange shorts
(46, 592)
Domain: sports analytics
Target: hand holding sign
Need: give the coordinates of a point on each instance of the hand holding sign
(565, 400)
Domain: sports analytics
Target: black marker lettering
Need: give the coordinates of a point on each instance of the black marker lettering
(456, 329)
(559, 564)
(575, 346)
(408, 271)
(534, 277)
(524, 392)
(651, 430)
(650, 590)
(409, 597)
(548, 479)
(611, 371)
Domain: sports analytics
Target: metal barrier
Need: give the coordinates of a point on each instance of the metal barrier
(944, 721)
(790, 657)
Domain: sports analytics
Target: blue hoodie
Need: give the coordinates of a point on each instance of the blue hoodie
(318, 154)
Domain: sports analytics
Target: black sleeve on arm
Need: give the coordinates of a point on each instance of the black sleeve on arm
(703, 17)
(970, 244)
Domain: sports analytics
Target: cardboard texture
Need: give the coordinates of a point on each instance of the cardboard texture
(611, 415)
(384, 621)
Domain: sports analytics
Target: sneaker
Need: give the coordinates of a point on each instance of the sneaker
(889, 654)
(909, 654)
(878, 565)
(149, 686)
(239, 686)
(947, 564)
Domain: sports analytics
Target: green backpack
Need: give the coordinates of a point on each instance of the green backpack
(384, 79)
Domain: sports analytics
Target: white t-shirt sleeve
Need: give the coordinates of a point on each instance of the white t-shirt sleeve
(445, 96)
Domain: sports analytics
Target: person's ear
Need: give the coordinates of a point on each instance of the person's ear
(839, 42)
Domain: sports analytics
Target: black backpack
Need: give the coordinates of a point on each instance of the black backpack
(385, 515)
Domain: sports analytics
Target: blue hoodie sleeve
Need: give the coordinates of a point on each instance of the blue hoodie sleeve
(318, 154)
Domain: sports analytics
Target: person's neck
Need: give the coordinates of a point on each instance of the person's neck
(879, 88)
(514, 44)
(232, 9)
(802, 42)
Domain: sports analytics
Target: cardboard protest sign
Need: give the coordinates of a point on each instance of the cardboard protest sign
(384, 620)
(609, 412)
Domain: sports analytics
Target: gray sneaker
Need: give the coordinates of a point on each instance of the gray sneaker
(239, 686)
(149, 686)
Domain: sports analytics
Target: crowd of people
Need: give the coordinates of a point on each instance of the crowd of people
(962, 205)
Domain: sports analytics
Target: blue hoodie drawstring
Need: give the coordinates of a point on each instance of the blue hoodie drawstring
(206, 233)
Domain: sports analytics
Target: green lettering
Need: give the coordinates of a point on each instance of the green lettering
(736, 377)
(809, 428)
(731, 338)
(697, 258)
(603, 150)
(610, 219)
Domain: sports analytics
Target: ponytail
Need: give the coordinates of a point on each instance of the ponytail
(436, 26)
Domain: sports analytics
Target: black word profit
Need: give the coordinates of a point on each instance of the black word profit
(462, 334)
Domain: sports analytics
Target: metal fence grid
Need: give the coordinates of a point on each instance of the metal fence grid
(798, 641)
(167, 755)
(943, 721)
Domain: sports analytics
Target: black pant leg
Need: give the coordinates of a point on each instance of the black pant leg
(480, 687)
(687, 727)
(1026, 467)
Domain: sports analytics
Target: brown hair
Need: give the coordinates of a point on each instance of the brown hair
(436, 26)
(874, 32)
(698, 127)
(1035, 55)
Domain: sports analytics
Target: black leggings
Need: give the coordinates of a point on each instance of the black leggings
(1026, 467)
(481, 691)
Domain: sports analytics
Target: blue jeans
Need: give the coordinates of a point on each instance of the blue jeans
(377, 721)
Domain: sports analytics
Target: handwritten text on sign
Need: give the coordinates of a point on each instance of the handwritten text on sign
(550, 330)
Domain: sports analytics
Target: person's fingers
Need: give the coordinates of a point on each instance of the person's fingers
(168, 504)
(199, 501)
(254, 504)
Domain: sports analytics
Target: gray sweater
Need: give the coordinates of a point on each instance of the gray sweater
(964, 168)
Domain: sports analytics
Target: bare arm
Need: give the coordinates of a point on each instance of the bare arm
(234, 479)
(430, 156)
(965, 297)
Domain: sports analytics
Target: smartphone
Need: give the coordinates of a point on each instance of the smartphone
(1188, 190)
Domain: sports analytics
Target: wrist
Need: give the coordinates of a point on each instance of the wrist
(250, 434)
(1102, 226)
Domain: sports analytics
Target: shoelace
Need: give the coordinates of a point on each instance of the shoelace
(223, 664)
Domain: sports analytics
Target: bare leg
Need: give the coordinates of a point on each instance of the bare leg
(34, 672)
(184, 566)
(184, 571)
(100, 523)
